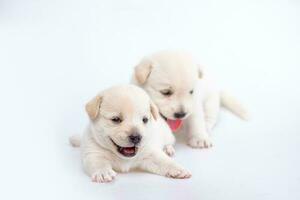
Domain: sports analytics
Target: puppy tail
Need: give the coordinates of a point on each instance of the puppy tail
(233, 105)
(75, 140)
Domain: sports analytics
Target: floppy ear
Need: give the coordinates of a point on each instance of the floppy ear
(154, 110)
(93, 107)
(200, 71)
(143, 70)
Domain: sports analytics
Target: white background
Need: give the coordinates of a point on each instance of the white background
(55, 55)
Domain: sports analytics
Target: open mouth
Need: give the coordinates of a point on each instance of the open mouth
(174, 124)
(126, 151)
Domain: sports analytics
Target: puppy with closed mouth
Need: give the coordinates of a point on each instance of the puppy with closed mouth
(185, 93)
(124, 133)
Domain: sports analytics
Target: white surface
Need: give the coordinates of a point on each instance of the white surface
(55, 55)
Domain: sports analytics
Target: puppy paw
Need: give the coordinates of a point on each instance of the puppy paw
(197, 142)
(178, 173)
(104, 176)
(169, 150)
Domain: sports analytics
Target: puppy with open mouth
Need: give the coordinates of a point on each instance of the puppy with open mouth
(124, 133)
(185, 94)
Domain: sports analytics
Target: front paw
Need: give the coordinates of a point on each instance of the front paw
(199, 142)
(103, 176)
(169, 150)
(177, 172)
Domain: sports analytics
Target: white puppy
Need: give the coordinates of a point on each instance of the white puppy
(184, 92)
(125, 133)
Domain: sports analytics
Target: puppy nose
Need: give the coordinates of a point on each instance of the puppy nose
(135, 138)
(179, 115)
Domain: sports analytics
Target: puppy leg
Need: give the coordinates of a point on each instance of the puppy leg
(168, 138)
(159, 163)
(99, 168)
(196, 130)
(169, 149)
(169, 141)
(211, 110)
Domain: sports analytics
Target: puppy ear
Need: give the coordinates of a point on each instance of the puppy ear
(200, 71)
(143, 70)
(154, 110)
(93, 107)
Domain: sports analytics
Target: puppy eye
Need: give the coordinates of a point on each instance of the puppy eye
(145, 120)
(116, 120)
(192, 91)
(166, 92)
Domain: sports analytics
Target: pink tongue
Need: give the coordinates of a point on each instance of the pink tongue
(174, 124)
(128, 149)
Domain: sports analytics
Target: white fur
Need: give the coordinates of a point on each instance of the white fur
(75, 140)
(100, 157)
(178, 71)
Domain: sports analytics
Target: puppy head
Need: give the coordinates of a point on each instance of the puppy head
(170, 79)
(121, 116)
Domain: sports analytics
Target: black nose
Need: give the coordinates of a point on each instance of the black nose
(179, 115)
(135, 138)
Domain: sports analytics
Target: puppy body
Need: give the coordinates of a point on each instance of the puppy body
(184, 91)
(124, 133)
(158, 142)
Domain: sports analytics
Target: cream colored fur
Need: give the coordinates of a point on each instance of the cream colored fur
(100, 157)
(178, 72)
